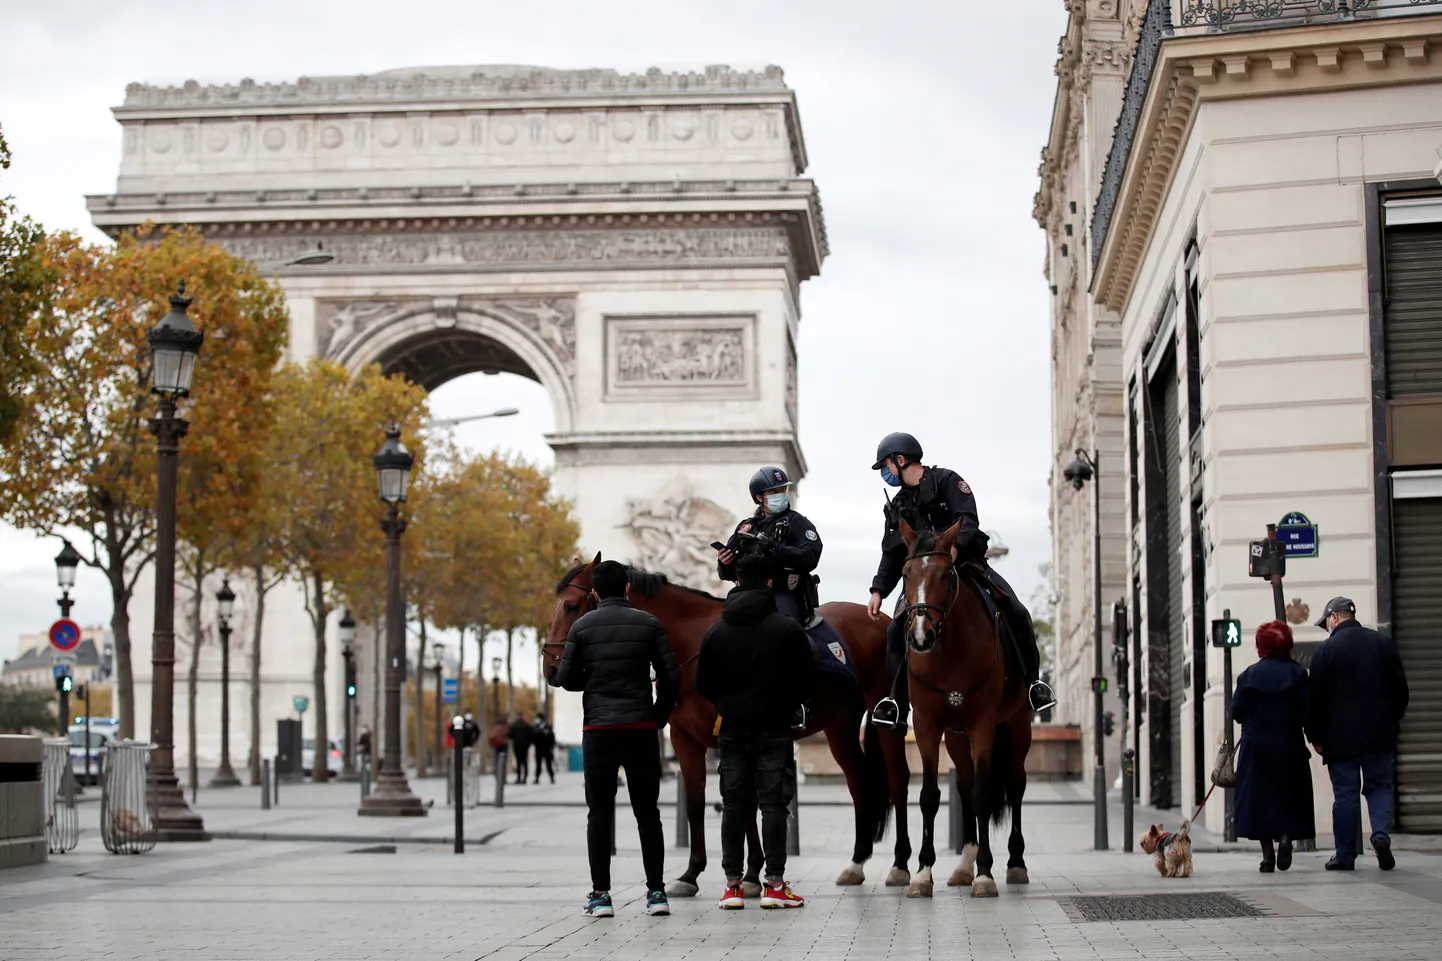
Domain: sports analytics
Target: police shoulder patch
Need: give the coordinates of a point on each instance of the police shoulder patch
(745, 528)
(811, 535)
(961, 485)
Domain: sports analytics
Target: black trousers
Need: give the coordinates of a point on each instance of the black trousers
(546, 759)
(755, 767)
(604, 753)
(523, 762)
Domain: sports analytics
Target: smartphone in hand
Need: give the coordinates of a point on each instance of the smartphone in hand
(718, 546)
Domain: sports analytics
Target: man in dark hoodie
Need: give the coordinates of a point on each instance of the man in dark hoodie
(756, 665)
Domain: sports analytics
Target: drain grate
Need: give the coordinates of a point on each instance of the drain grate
(1159, 907)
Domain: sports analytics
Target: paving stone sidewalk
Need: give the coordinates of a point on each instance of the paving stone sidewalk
(517, 897)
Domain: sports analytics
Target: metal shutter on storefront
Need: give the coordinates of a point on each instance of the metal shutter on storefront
(1176, 620)
(1413, 325)
(1417, 628)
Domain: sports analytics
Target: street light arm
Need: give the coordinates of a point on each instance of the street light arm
(453, 421)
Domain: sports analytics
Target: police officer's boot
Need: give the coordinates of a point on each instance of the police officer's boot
(891, 712)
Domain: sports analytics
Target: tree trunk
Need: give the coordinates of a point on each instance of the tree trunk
(192, 680)
(124, 676)
(481, 632)
(320, 766)
(260, 592)
(510, 684)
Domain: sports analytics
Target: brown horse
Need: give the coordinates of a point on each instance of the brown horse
(963, 688)
(837, 711)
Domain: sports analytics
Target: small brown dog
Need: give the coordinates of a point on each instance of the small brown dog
(1170, 851)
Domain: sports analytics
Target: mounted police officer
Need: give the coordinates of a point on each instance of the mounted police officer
(784, 536)
(934, 498)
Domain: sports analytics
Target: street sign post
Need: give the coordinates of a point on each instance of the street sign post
(449, 690)
(65, 635)
(1298, 535)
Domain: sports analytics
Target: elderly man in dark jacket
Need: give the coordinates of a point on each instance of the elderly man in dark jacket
(757, 667)
(1359, 694)
(609, 656)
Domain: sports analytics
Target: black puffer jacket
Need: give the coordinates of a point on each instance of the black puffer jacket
(756, 665)
(609, 656)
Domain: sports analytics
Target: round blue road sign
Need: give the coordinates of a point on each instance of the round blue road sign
(65, 635)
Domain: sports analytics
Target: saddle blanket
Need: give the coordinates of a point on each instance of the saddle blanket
(830, 650)
(995, 615)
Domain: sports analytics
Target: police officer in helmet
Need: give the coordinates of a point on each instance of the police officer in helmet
(934, 498)
(783, 535)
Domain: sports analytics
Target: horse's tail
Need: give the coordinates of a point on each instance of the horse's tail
(876, 784)
(996, 775)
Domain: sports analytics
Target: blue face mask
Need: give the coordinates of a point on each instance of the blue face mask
(891, 479)
(776, 503)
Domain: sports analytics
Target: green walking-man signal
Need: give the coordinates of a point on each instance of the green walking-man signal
(1227, 633)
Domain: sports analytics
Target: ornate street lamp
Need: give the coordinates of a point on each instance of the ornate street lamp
(66, 563)
(1078, 473)
(225, 607)
(392, 796)
(174, 345)
(495, 690)
(347, 651)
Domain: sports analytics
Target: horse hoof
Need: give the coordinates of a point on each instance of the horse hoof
(921, 889)
(898, 877)
(960, 878)
(751, 889)
(983, 887)
(850, 877)
(1017, 876)
(682, 889)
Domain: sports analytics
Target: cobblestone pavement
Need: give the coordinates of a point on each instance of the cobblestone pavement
(518, 896)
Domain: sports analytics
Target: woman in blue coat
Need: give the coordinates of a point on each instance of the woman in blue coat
(1274, 778)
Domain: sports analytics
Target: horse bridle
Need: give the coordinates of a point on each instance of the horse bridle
(954, 698)
(942, 611)
(591, 606)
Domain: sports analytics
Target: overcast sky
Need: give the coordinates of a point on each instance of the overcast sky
(923, 119)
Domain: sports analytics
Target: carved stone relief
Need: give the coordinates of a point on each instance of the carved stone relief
(553, 320)
(525, 246)
(712, 355)
(791, 406)
(337, 323)
(673, 531)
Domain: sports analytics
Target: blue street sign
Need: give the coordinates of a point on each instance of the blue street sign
(300, 702)
(448, 690)
(1298, 535)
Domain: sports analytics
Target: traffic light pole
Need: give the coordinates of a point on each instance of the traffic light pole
(347, 769)
(1228, 794)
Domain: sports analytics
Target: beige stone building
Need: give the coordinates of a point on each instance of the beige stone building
(1267, 229)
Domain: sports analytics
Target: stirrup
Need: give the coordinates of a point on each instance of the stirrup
(798, 723)
(890, 718)
(1040, 696)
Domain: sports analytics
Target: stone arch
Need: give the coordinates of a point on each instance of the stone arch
(434, 344)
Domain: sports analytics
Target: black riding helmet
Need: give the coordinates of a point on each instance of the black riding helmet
(898, 443)
(768, 478)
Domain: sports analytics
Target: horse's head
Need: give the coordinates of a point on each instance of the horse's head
(573, 598)
(931, 583)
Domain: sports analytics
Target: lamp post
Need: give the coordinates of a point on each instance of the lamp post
(392, 796)
(225, 607)
(1078, 473)
(174, 346)
(495, 690)
(453, 421)
(347, 651)
(66, 563)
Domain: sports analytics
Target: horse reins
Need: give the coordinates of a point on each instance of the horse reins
(955, 698)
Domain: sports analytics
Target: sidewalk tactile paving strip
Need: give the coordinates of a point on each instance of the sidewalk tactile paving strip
(1189, 906)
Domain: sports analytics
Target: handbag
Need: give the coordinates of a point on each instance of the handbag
(1224, 773)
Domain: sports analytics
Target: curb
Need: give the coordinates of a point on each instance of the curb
(346, 838)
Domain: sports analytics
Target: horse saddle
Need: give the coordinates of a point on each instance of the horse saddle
(975, 577)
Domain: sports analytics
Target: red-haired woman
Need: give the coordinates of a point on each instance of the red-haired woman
(1274, 778)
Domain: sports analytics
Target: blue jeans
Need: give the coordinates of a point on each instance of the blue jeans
(1373, 775)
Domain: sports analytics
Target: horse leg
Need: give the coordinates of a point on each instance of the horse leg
(1016, 872)
(846, 748)
(899, 775)
(928, 742)
(691, 756)
(959, 747)
(987, 801)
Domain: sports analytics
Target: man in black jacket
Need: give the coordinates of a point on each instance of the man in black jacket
(1359, 694)
(757, 667)
(522, 736)
(610, 653)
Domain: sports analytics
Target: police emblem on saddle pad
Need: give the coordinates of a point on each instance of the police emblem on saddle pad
(792, 580)
(837, 651)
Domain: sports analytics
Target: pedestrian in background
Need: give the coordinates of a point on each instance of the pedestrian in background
(1359, 695)
(545, 744)
(756, 665)
(522, 736)
(499, 745)
(1273, 800)
(609, 656)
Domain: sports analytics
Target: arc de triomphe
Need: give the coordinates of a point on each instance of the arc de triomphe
(634, 243)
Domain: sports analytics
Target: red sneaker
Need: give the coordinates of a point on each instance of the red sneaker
(781, 896)
(733, 898)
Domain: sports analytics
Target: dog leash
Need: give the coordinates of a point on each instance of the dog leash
(1208, 796)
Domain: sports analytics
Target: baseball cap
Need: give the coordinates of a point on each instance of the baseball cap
(1343, 605)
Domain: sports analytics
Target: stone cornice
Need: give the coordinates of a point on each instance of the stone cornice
(1193, 69)
(648, 439)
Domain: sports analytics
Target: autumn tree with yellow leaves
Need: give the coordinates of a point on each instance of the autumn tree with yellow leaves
(84, 456)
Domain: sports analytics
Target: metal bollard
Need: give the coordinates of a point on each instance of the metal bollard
(275, 781)
(458, 734)
(793, 810)
(683, 820)
(953, 814)
(1129, 776)
(265, 784)
(501, 758)
(365, 776)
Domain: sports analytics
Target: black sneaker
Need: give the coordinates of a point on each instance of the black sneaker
(599, 906)
(1383, 847)
(656, 903)
(1334, 865)
(1284, 855)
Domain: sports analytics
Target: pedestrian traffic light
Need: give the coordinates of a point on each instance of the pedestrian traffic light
(64, 683)
(1227, 632)
(1109, 723)
(350, 679)
(80, 692)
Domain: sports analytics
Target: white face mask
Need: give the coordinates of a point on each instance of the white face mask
(776, 503)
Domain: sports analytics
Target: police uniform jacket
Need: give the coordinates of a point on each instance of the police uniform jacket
(797, 553)
(935, 504)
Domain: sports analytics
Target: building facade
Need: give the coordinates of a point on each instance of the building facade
(1269, 232)
(35, 659)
